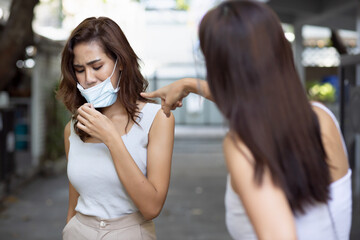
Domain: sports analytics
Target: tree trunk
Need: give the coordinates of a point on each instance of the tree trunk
(15, 37)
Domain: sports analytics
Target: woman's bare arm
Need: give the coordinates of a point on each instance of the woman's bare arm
(73, 194)
(266, 205)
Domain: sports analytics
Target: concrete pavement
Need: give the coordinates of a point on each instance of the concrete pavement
(194, 208)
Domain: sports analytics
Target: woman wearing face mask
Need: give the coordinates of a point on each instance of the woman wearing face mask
(118, 144)
(289, 176)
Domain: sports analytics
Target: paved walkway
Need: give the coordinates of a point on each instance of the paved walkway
(194, 208)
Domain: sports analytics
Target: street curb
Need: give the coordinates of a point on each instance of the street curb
(200, 132)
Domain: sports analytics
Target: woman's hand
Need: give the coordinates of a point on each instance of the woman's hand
(96, 124)
(171, 95)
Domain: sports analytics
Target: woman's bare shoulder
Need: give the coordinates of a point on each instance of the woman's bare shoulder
(235, 149)
(332, 141)
(327, 120)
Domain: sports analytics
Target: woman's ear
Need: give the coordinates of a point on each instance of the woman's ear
(120, 66)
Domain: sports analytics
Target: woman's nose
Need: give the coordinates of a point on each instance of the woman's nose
(90, 79)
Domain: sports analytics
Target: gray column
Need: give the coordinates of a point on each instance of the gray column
(37, 113)
(298, 50)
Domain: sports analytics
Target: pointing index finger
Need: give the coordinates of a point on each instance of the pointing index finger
(154, 94)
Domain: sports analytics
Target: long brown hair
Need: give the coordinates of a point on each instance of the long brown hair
(114, 43)
(254, 83)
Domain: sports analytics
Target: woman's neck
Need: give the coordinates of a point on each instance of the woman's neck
(115, 109)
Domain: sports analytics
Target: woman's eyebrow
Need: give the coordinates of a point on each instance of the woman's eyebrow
(88, 63)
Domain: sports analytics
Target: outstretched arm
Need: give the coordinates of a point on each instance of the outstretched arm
(173, 94)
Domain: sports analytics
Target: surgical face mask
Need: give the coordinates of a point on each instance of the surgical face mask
(102, 94)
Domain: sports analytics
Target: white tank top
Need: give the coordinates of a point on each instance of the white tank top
(331, 221)
(92, 172)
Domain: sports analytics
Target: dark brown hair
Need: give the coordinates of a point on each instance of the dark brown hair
(114, 43)
(252, 77)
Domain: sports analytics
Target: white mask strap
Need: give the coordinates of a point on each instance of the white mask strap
(117, 87)
(113, 69)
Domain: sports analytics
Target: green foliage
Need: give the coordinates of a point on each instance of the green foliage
(182, 5)
(323, 92)
(56, 118)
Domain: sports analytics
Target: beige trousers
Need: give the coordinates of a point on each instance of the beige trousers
(129, 227)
